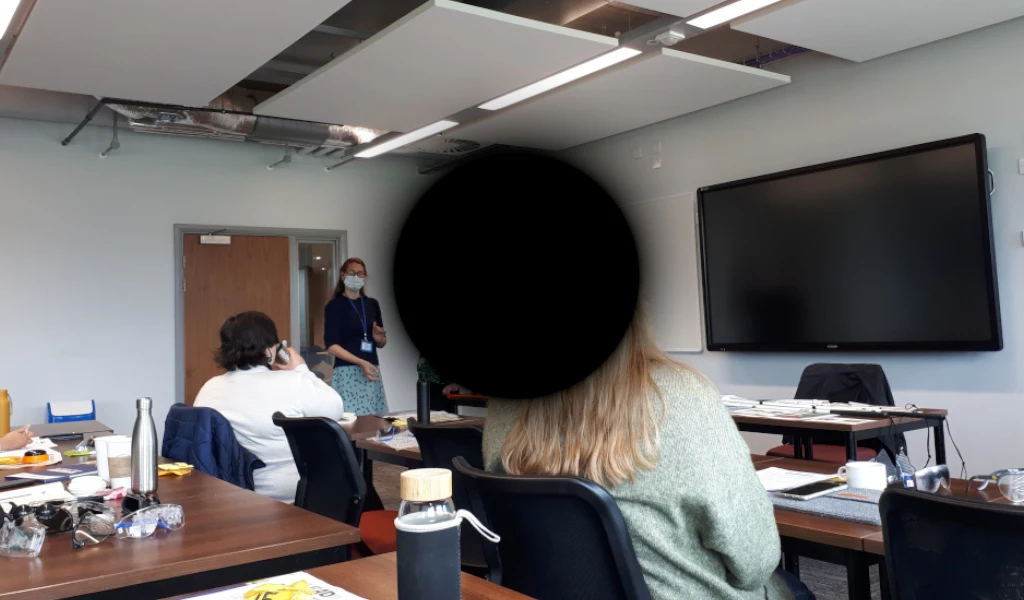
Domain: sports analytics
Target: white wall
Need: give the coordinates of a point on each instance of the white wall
(836, 109)
(87, 269)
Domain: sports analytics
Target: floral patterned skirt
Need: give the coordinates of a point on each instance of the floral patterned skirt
(359, 394)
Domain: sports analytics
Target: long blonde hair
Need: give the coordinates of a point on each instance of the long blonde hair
(604, 428)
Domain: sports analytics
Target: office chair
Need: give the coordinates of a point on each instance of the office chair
(561, 537)
(331, 483)
(63, 412)
(844, 383)
(439, 445)
(942, 547)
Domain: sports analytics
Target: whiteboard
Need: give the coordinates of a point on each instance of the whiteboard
(666, 236)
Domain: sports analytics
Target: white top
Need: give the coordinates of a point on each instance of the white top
(248, 400)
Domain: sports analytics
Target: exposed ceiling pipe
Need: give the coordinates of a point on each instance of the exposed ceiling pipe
(342, 32)
(774, 55)
(286, 159)
(85, 121)
(343, 161)
(114, 144)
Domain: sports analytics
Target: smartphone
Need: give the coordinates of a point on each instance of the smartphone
(813, 490)
(282, 353)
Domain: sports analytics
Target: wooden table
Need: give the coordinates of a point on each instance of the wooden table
(376, 578)
(411, 458)
(823, 538)
(850, 434)
(855, 545)
(231, 535)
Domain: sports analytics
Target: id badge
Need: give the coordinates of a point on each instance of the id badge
(366, 346)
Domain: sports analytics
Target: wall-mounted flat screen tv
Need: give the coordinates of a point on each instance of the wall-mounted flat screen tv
(890, 251)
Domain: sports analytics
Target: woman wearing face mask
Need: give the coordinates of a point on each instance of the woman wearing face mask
(353, 331)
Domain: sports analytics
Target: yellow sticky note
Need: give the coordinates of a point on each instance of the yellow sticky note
(178, 468)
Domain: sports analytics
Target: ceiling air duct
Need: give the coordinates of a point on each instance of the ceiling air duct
(229, 119)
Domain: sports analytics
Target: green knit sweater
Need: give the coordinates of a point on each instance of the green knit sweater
(701, 523)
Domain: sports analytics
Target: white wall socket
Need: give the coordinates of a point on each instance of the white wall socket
(1020, 166)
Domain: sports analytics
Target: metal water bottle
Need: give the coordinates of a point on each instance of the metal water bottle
(423, 400)
(144, 455)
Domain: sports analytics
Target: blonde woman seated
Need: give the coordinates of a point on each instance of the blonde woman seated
(656, 435)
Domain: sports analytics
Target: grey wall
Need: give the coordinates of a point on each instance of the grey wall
(87, 270)
(836, 109)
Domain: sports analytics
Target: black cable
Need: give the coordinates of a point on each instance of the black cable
(928, 446)
(928, 440)
(963, 463)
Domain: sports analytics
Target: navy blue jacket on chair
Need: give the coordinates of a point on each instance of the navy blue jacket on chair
(203, 438)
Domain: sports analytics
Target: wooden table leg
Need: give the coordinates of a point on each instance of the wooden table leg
(851, 447)
(883, 580)
(858, 576)
(791, 564)
(373, 501)
(940, 442)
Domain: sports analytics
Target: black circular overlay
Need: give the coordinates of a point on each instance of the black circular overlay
(516, 275)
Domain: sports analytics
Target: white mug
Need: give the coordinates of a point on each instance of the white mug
(865, 475)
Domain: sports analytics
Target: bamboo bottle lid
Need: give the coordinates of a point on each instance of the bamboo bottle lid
(426, 485)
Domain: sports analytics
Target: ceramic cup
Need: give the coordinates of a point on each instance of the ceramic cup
(865, 475)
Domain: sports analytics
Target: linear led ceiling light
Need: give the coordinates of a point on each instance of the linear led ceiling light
(558, 79)
(7, 8)
(406, 139)
(729, 12)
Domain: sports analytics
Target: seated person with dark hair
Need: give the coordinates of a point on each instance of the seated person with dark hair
(255, 387)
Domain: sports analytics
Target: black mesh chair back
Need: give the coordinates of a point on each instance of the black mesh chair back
(330, 481)
(942, 547)
(439, 445)
(561, 537)
(864, 383)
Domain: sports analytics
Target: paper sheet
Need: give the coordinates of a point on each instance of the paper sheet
(402, 441)
(320, 588)
(436, 416)
(775, 479)
(44, 492)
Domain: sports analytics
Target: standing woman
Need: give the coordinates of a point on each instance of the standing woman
(353, 330)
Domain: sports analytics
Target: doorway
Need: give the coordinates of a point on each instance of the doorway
(286, 273)
(318, 274)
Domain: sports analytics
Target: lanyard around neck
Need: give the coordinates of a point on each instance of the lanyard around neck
(361, 315)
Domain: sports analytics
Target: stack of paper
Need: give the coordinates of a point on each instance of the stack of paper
(775, 479)
(293, 585)
(735, 402)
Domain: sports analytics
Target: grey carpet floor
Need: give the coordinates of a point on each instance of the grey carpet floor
(828, 582)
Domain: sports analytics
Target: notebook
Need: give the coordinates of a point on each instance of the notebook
(56, 473)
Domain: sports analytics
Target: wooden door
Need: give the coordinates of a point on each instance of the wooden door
(253, 273)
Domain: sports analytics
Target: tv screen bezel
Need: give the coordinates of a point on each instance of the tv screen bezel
(995, 341)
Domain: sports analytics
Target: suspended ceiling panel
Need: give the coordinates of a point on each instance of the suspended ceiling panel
(648, 89)
(678, 8)
(184, 52)
(860, 30)
(436, 61)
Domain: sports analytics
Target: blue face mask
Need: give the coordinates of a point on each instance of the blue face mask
(354, 283)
